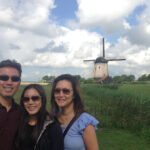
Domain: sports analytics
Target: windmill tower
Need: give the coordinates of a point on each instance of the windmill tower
(100, 71)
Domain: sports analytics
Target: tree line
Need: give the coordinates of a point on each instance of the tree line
(115, 79)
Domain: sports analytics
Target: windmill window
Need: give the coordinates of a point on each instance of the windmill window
(99, 67)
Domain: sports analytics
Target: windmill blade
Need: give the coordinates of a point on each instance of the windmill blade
(103, 48)
(90, 60)
(115, 59)
(102, 43)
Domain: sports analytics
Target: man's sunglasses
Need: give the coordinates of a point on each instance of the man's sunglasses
(65, 91)
(6, 78)
(33, 98)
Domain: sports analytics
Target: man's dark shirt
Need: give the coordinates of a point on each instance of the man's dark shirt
(8, 126)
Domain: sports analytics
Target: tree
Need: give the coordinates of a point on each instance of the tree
(48, 78)
(131, 78)
(148, 77)
(143, 78)
(123, 78)
(45, 78)
(117, 79)
(89, 80)
(78, 77)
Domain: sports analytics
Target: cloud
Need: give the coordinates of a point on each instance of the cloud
(108, 15)
(25, 30)
(66, 50)
(140, 34)
(20, 14)
(13, 46)
(52, 47)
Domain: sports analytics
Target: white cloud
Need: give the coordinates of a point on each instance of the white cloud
(80, 45)
(108, 15)
(33, 16)
(140, 34)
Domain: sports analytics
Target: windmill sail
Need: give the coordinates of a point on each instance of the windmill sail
(90, 60)
(115, 59)
(103, 48)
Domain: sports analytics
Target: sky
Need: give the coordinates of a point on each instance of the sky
(53, 37)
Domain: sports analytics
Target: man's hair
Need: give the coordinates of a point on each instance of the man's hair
(12, 64)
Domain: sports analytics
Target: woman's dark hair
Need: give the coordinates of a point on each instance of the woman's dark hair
(41, 116)
(78, 100)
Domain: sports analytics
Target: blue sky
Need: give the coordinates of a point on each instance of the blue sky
(137, 11)
(52, 37)
(65, 10)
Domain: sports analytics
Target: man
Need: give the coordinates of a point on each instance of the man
(10, 78)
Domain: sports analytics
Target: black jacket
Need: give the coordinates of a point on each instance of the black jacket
(51, 137)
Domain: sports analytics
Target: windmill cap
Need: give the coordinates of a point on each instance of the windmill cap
(100, 60)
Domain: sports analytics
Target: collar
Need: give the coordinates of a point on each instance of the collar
(14, 105)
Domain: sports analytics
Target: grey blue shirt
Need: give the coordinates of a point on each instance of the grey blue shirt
(74, 137)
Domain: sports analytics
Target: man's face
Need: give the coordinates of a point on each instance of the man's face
(9, 83)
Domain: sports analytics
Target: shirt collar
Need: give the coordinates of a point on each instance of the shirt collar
(14, 105)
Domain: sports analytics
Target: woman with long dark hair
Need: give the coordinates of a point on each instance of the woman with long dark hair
(77, 125)
(37, 130)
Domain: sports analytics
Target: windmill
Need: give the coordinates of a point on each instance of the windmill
(100, 71)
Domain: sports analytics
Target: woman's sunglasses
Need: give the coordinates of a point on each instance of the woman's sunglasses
(65, 91)
(6, 78)
(33, 98)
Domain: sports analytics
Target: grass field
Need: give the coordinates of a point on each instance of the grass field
(115, 139)
(123, 112)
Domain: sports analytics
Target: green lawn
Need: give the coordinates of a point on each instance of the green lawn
(114, 139)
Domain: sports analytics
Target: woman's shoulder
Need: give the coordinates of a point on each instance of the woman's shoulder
(53, 124)
(50, 125)
(86, 119)
(54, 127)
(52, 130)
